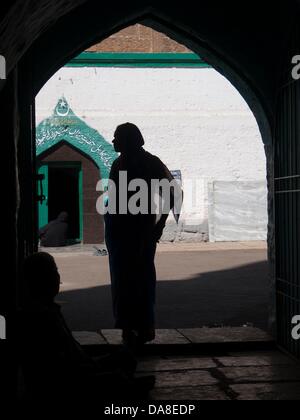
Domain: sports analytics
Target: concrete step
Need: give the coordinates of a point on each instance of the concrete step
(183, 341)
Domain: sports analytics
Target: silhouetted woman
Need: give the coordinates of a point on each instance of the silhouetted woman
(131, 239)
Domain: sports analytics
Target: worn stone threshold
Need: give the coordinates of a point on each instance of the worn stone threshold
(181, 246)
(184, 341)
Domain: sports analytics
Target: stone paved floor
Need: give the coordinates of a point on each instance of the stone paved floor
(185, 340)
(268, 375)
(187, 370)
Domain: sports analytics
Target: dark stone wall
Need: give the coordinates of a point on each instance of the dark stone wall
(10, 201)
(23, 21)
(93, 225)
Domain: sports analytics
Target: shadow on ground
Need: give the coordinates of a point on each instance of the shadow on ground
(228, 297)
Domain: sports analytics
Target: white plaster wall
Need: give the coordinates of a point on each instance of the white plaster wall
(193, 119)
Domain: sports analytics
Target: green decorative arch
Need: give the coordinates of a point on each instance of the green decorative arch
(64, 125)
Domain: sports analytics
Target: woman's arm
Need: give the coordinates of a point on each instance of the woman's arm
(170, 203)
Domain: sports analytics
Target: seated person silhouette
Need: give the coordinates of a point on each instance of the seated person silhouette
(51, 359)
(55, 234)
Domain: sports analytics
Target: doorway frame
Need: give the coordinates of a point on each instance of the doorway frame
(67, 164)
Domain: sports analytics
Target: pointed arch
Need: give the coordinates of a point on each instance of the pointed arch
(65, 126)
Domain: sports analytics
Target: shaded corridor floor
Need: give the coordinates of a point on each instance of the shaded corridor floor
(265, 375)
(214, 374)
(204, 364)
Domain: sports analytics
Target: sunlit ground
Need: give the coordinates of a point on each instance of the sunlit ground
(198, 285)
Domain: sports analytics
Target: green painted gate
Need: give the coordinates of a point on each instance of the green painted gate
(43, 191)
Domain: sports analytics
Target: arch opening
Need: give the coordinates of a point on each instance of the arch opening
(151, 17)
(175, 168)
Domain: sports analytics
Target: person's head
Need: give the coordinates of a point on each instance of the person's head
(128, 139)
(41, 277)
(63, 217)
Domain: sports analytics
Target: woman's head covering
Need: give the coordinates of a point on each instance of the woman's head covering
(129, 137)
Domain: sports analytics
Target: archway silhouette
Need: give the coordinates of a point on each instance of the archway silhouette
(51, 59)
(91, 34)
(218, 54)
(222, 61)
